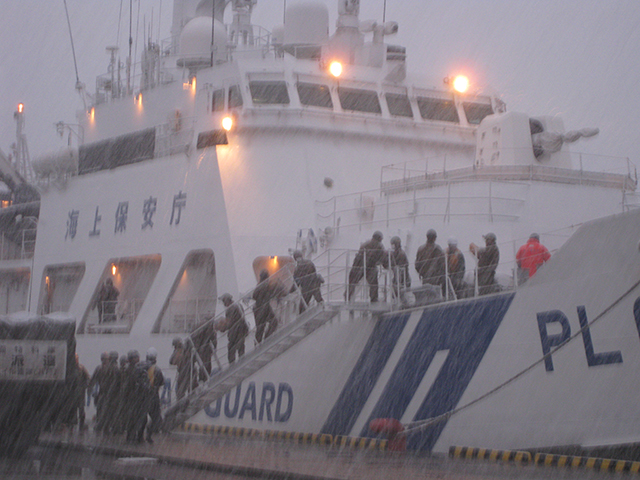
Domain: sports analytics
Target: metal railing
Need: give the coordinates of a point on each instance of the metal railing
(602, 170)
(18, 249)
(117, 316)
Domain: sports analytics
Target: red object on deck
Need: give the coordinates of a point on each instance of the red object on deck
(393, 430)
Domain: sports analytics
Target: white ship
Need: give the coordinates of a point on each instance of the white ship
(235, 146)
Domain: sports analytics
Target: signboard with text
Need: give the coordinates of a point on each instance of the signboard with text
(33, 360)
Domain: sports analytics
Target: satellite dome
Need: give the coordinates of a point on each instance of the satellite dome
(195, 41)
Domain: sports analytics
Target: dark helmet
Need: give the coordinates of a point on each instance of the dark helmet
(104, 356)
(377, 235)
(395, 241)
(490, 237)
(133, 354)
(297, 254)
(113, 356)
(123, 360)
(264, 274)
(226, 297)
(535, 235)
(177, 342)
(431, 233)
(108, 281)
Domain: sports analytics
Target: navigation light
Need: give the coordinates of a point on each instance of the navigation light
(335, 68)
(20, 107)
(227, 123)
(113, 269)
(460, 83)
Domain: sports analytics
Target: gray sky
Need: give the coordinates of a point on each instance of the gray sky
(573, 58)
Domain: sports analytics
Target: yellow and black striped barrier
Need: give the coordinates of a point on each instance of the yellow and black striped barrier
(297, 437)
(592, 463)
(324, 439)
(515, 456)
(221, 430)
(360, 443)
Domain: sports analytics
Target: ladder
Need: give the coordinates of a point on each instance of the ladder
(223, 381)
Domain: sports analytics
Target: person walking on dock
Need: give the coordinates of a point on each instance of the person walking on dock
(182, 359)
(156, 381)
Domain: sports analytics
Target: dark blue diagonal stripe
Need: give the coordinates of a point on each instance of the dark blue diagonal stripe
(364, 375)
(466, 330)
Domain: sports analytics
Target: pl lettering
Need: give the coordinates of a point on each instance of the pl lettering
(551, 341)
(270, 404)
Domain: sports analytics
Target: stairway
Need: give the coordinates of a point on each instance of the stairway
(223, 381)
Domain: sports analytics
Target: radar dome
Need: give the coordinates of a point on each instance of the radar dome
(195, 40)
(306, 23)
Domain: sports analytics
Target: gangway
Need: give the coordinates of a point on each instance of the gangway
(223, 381)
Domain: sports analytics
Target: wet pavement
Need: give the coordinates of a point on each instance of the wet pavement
(192, 456)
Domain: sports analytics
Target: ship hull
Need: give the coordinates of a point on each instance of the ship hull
(549, 365)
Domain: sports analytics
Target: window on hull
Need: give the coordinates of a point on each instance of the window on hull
(59, 286)
(119, 294)
(235, 97)
(193, 298)
(118, 151)
(14, 290)
(217, 101)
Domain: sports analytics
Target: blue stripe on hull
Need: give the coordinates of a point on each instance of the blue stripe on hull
(466, 330)
(363, 378)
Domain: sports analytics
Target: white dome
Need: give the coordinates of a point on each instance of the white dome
(306, 24)
(195, 38)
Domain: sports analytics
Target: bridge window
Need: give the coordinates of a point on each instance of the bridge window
(476, 112)
(438, 109)
(235, 97)
(315, 95)
(217, 103)
(359, 100)
(398, 105)
(269, 93)
(118, 151)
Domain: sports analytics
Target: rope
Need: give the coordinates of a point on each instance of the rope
(424, 424)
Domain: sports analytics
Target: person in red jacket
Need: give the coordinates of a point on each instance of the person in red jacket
(530, 257)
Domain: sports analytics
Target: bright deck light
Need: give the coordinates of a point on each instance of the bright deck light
(20, 107)
(227, 123)
(113, 269)
(335, 68)
(460, 83)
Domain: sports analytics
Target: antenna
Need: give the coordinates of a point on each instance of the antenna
(213, 27)
(384, 12)
(79, 85)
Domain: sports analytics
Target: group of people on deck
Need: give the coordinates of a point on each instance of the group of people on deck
(444, 270)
